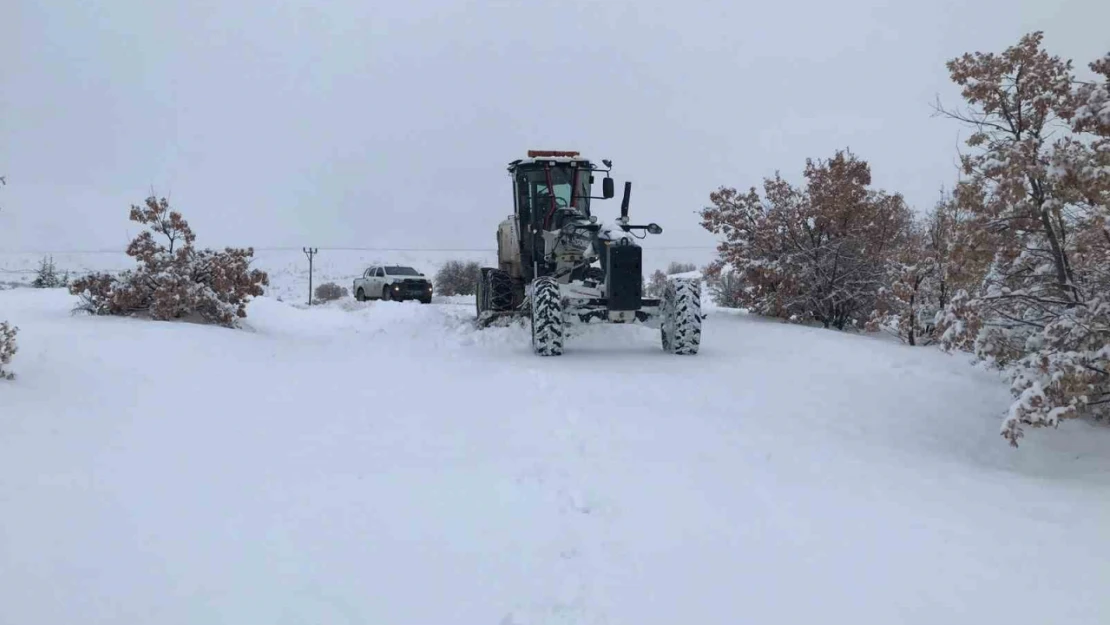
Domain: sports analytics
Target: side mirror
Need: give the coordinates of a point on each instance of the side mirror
(654, 228)
(607, 190)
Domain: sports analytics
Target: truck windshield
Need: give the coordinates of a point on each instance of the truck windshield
(401, 271)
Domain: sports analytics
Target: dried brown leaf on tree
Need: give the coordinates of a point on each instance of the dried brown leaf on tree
(816, 253)
(1036, 199)
(174, 280)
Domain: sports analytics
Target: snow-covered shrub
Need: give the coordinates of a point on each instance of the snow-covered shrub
(8, 348)
(174, 280)
(1039, 169)
(724, 284)
(676, 267)
(456, 277)
(330, 291)
(657, 283)
(654, 287)
(817, 253)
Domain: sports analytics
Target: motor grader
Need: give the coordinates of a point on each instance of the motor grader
(559, 264)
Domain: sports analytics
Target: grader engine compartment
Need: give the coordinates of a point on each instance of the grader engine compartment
(623, 283)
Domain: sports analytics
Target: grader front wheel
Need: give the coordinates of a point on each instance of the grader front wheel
(548, 326)
(681, 309)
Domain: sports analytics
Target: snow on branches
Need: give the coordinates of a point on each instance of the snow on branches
(725, 284)
(904, 303)
(47, 276)
(817, 253)
(174, 280)
(935, 259)
(8, 348)
(1038, 181)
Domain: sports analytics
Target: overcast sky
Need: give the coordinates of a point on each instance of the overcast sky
(390, 123)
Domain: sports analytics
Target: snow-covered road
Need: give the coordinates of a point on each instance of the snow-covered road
(388, 463)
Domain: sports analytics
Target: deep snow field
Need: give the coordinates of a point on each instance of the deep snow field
(386, 462)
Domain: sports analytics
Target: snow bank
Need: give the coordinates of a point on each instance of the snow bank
(387, 462)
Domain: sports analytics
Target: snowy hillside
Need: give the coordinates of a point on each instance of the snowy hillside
(388, 463)
(288, 269)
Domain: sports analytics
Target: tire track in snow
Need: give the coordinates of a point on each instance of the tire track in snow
(578, 556)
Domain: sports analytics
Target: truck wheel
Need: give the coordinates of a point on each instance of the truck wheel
(386, 296)
(681, 312)
(547, 317)
(360, 295)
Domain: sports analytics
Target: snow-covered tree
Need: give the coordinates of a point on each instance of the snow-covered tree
(174, 279)
(906, 302)
(935, 258)
(1036, 195)
(47, 275)
(817, 253)
(656, 285)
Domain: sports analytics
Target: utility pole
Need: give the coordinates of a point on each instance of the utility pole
(310, 252)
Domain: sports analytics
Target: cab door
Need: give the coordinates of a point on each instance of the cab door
(366, 283)
(378, 281)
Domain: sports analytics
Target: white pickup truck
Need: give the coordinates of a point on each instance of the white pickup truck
(392, 282)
